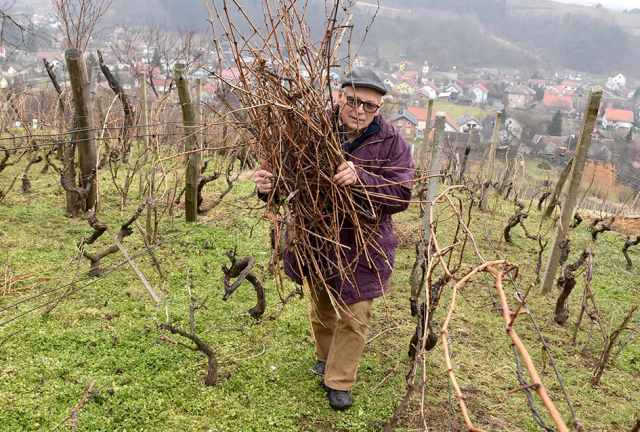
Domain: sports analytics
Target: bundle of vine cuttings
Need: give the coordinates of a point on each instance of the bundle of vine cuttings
(281, 102)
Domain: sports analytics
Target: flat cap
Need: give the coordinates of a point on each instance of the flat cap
(364, 77)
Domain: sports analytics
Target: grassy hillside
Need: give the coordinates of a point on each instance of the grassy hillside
(104, 330)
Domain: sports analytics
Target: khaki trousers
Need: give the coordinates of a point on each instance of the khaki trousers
(339, 341)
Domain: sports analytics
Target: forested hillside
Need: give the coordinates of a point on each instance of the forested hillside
(491, 33)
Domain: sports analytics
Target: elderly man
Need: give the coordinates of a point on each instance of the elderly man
(377, 160)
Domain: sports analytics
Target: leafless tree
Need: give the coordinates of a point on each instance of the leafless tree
(78, 19)
(13, 29)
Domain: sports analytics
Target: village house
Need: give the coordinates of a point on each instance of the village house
(619, 79)
(390, 82)
(410, 77)
(550, 145)
(441, 79)
(444, 96)
(612, 85)
(421, 115)
(617, 119)
(561, 90)
(405, 88)
(427, 91)
(468, 123)
(479, 93)
(425, 67)
(488, 73)
(403, 65)
(520, 96)
(406, 123)
(577, 76)
(546, 84)
(454, 91)
(513, 127)
(570, 85)
(511, 77)
(556, 102)
(628, 93)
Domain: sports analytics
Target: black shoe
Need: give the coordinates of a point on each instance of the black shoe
(319, 367)
(338, 399)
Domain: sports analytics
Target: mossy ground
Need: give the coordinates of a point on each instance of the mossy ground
(104, 331)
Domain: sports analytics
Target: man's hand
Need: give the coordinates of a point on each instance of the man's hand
(346, 174)
(262, 179)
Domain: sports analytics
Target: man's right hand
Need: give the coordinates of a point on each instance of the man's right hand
(262, 179)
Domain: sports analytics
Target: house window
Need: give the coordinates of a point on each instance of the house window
(408, 131)
(399, 122)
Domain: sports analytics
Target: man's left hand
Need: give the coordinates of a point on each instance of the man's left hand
(346, 174)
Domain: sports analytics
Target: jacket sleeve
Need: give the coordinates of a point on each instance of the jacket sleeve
(389, 185)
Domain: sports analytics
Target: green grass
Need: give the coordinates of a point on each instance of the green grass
(105, 331)
(454, 111)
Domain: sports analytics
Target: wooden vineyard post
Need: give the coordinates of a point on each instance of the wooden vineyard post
(84, 129)
(577, 168)
(144, 111)
(144, 115)
(467, 150)
(193, 169)
(434, 182)
(492, 156)
(199, 142)
(425, 143)
(553, 201)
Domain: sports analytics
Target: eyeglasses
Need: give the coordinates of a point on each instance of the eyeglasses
(354, 102)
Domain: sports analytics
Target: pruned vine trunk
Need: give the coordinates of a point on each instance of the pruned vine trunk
(567, 281)
(241, 269)
(625, 250)
(126, 106)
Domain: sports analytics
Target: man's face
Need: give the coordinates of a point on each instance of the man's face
(356, 114)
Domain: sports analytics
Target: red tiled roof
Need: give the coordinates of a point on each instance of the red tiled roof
(48, 54)
(555, 101)
(619, 115)
(432, 85)
(562, 91)
(540, 82)
(483, 88)
(570, 84)
(420, 113)
(411, 74)
(159, 82)
(232, 73)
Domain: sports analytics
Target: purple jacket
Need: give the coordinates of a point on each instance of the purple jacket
(385, 168)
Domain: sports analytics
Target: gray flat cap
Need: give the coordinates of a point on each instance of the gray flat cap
(364, 77)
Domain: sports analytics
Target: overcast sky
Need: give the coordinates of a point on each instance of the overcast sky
(612, 4)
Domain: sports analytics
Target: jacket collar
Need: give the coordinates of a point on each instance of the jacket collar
(351, 146)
